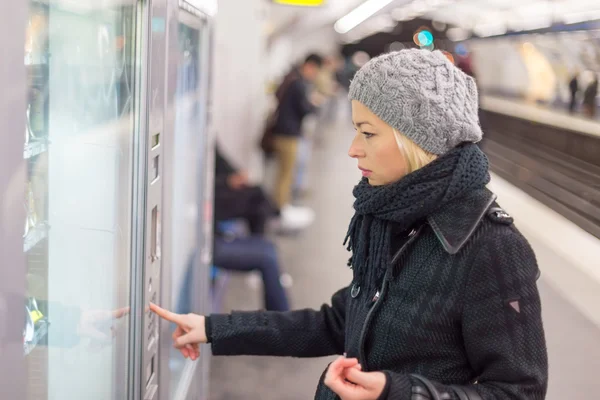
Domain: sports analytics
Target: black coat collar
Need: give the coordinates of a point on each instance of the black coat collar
(455, 223)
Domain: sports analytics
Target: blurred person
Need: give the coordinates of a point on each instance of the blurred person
(235, 198)
(325, 87)
(573, 89)
(444, 302)
(295, 103)
(589, 98)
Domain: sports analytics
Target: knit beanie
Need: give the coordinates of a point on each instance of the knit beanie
(422, 95)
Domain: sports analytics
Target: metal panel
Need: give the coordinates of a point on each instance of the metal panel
(193, 374)
(170, 79)
(139, 206)
(202, 296)
(13, 17)
(154, 211)
(196, 379)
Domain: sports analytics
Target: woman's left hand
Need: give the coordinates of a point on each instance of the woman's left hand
(346, 379)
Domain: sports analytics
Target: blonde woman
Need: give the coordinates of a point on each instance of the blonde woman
(443, 303)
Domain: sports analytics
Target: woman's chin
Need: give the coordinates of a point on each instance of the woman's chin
(373, 182)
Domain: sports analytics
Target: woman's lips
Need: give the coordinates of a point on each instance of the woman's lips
(365, 172)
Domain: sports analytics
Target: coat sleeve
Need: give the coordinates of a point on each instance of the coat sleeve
(501, 323)
(300, 333)
(299, 97)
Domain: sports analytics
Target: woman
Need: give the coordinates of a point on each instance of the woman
(443, 302)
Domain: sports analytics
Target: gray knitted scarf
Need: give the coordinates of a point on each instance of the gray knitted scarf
(400, 205)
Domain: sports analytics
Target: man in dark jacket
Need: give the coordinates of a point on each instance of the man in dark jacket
(236, 198)
(294, 104)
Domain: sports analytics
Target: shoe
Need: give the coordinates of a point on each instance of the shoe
(254, 281)
(296, 218)
(286, 280)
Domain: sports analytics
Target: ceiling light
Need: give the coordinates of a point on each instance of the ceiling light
(359, 15)
(303, 3)
(457, 34)
(485, 30)
(583, 16)
(438, 26)
(399, 14)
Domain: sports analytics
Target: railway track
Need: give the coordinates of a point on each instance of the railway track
(547, 166)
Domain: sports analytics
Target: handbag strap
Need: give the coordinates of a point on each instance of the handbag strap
(460, 392)
(427, 383)
(463, 392)
(470, 392)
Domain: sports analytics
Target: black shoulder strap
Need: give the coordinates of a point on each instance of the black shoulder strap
(427, 383)
(460, 392)
(470, 392)
(463, 392)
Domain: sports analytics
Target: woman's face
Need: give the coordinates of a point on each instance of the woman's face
(375, 148)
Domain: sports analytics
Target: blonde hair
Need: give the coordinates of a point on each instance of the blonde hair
(415, 156)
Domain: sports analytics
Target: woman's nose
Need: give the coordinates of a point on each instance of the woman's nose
(356, 150)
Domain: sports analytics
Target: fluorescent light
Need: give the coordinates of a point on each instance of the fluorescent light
(582, 16)
(419, 7)
(457, 34)
(302, 3)
(399, 14)
(490, 29)
(530, 24)
(359, 15)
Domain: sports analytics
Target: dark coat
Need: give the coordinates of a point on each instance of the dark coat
(249, 203)
(458, 305)
(294, 105)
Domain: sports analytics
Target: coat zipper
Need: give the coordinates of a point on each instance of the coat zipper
(361, 348)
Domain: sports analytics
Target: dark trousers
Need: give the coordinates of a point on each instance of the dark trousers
(254, 253)
(573, 102)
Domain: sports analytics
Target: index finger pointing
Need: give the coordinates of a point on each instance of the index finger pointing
(168, 315)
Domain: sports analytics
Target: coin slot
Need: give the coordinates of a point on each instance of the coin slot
(150, 371)
(155, 235)
(155, 169)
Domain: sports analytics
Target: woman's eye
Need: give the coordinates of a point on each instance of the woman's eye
(368, 135)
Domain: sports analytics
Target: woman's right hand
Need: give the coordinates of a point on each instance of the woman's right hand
(190, 332)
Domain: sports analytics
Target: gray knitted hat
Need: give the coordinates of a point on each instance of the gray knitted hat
(423, 95)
